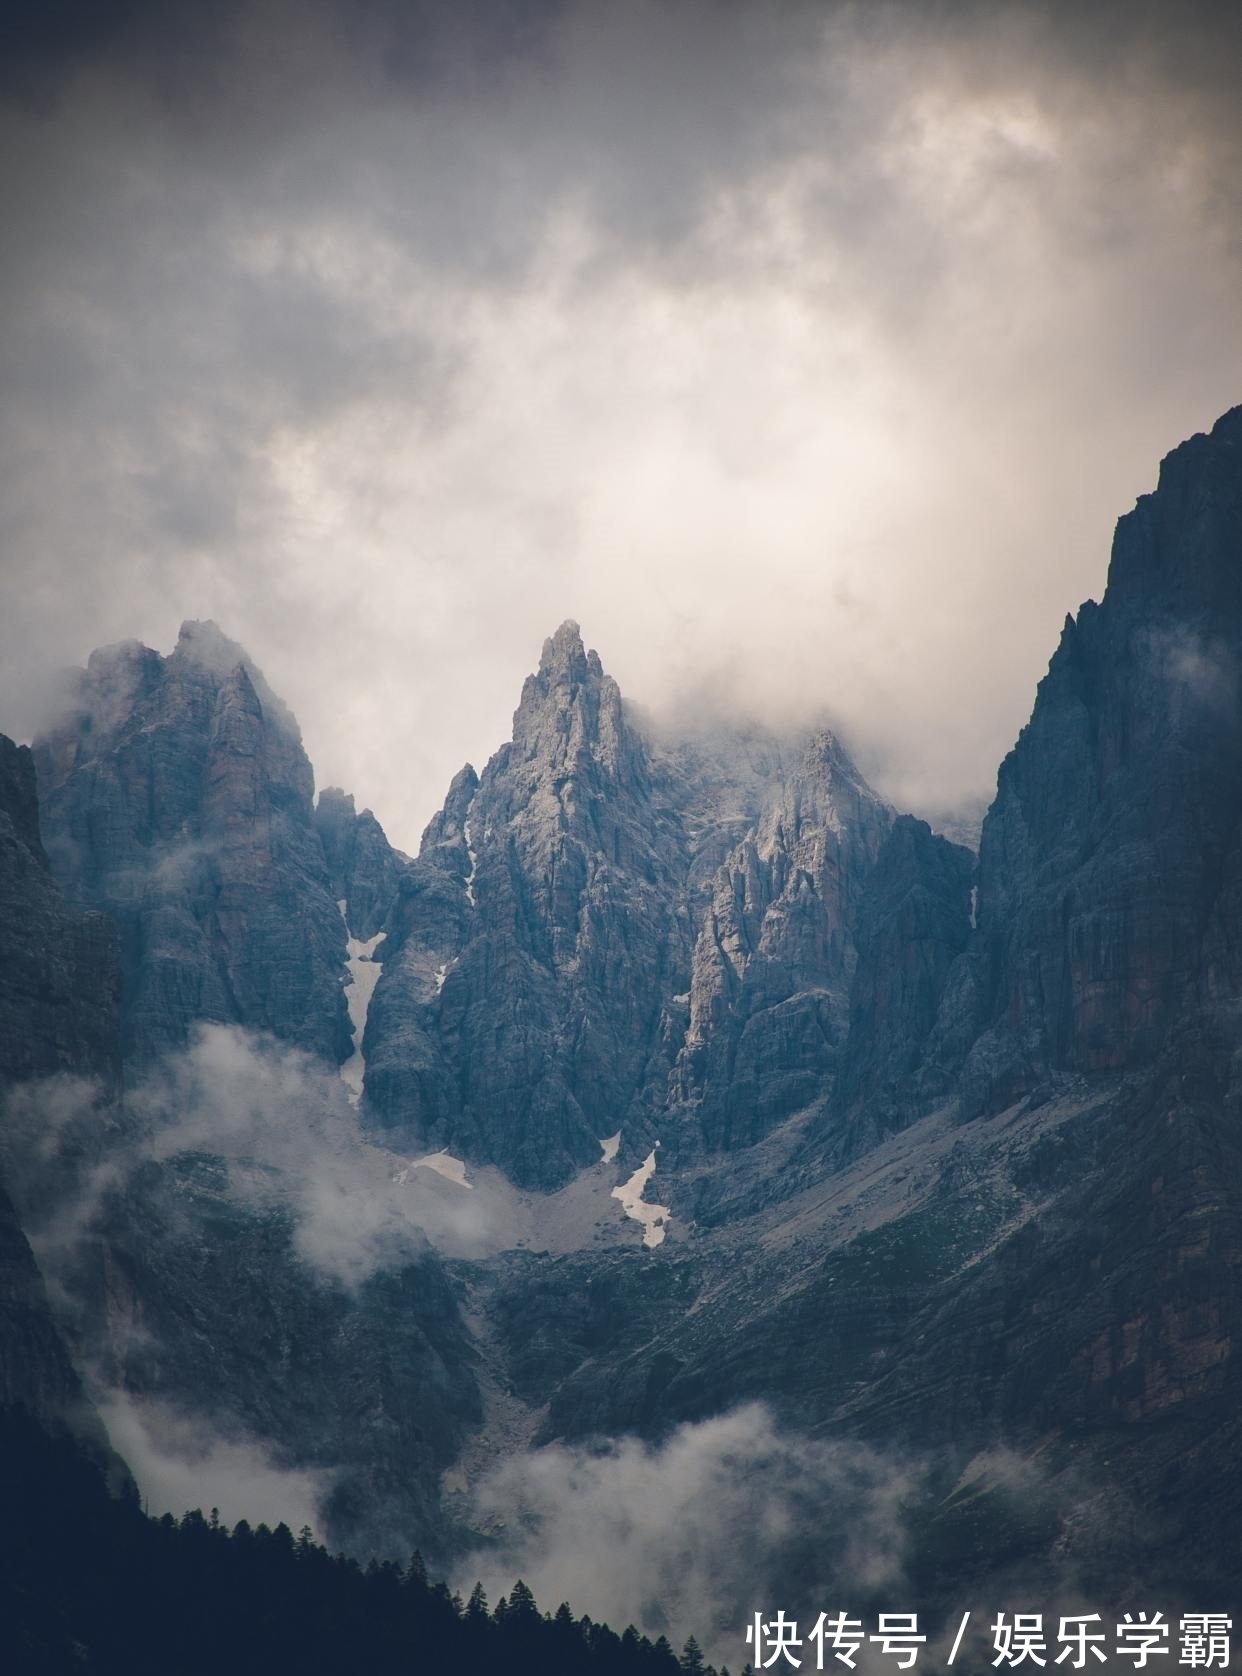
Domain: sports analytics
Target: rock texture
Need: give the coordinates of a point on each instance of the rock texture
(522, 989)
(1110, 864)
(178, 798)
(770, 976)
(59, 1013)
(175, 1290)
(60, 987)
(1046, 1262)
(954, 1174)
(364, 870)
(914, 920)
(603, 933)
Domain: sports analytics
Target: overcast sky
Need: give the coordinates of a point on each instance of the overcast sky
(805, 353)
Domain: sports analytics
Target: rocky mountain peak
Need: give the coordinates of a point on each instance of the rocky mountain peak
(178, 798)
(1110, 865)
(564, 657)
(570, 714)
(204, 649)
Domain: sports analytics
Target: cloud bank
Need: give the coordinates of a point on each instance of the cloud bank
(804, 353)
(281, 1122)
(694, 1535)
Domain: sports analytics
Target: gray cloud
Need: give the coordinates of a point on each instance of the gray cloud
(803, 353)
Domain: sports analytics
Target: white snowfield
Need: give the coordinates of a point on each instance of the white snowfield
(609, 1147)
(444, 1164)
(654, 1218)
(364, 971)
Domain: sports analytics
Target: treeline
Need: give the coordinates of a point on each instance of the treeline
(90, 1585)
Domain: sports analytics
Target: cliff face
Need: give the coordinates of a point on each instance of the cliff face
(59, 1012)
(177, 797)
(1110, 864)
(1014, 1221)
(537, 936)
(775, 951)
(914, 921)
(364, 870)
(176, 1288)
(601, 934)
(60, 976)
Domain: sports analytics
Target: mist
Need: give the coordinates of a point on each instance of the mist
(694, 1535)
(282, 1123)
(180, 1462)
(742, 1513)
(804, 354)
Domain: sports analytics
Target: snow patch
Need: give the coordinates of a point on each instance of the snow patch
(609, 1147)
(441, 974)
(364, 972)
(974, 906)
(654, 1218)
(444, 1164)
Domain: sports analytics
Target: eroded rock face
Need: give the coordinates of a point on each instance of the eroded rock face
(524, 979)
(60, 976)
(59, 1013)
(174, 1290)
(914, 920)
(605, 931)
(603, 934)
(177, 797)
(363, 868)
(1110, 864)
(774, 955)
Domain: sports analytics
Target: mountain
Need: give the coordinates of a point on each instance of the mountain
(946, 1148)
(1110, 866)
(178, 802)
(600, 936)
(176, 796)
(1014, 1225)
(518, 1018)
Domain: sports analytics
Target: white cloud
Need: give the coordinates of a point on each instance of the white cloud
(692, 1535)
(181, 1461)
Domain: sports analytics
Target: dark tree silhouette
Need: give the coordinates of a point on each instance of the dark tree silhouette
(90, 1586)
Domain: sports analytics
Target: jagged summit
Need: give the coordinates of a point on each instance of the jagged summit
(571, 715)
(564, 655)
(950, 1147)
(177, 797)
(600, 929)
